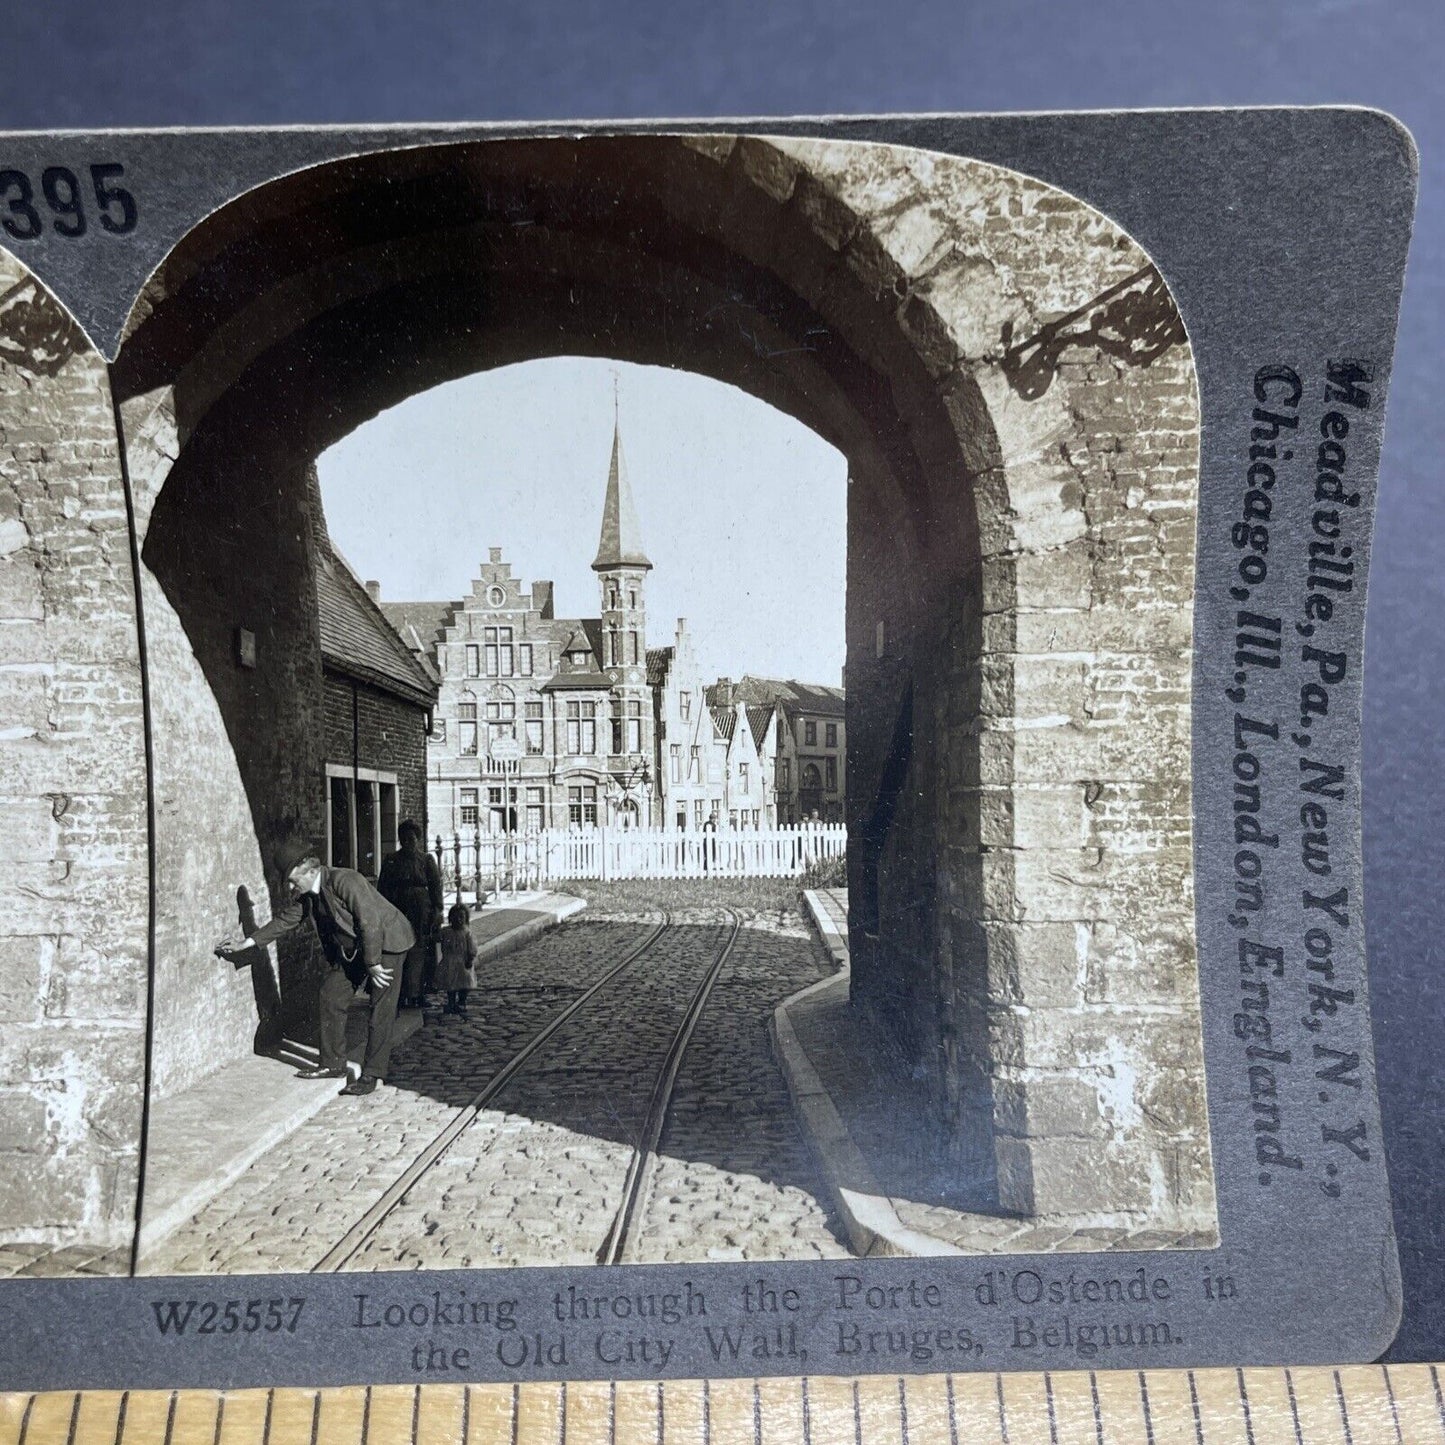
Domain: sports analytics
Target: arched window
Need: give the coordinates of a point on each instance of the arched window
(502, 713)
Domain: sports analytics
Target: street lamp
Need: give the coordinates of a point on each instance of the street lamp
(636, 775)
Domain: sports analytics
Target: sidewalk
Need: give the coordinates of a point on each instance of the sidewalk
(204, 1138)
(851, 1088)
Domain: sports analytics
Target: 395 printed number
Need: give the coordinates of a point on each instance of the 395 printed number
(234, 1316)
(66, 205)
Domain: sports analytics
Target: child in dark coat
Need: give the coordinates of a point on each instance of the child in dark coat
(457, 971)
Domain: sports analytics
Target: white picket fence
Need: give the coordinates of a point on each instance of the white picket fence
(512, 862)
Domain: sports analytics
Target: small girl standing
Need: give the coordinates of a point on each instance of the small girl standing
(457, 971)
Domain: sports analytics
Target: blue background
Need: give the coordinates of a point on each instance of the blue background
(66, 64)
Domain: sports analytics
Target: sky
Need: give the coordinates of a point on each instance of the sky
(743, 509)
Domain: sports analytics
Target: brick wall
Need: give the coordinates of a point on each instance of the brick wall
(1032, 933)
(384, 732)
(228, 544)
(209, 872)
(73, 916)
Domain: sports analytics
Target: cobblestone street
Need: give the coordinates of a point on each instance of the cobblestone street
(537, 1177)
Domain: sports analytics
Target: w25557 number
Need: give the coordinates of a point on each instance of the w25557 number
(212, 1317)
(64, 202)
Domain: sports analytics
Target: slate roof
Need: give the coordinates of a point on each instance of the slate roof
(724, 719)
(760, 719)
(592, 627)
(575, 634)
(589, 680)
(659, 664)
(620, 544)
(793, 695)
(812, 697)
(358, 640)
(421, 624)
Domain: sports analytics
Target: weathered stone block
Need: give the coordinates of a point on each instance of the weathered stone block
(1029, 817)
(24, 701)
(86, 984)
(21, 594)
(37, 1194)
(22, 975)
(1085, 1176)
(967, 293)
(1166, 632)
(1047, 504)
(1014, 1168)
(1151, 961)
(1084, 884)
(1090, 753)
(1102, 1039)
(1169, 1099)
(1035, 964)
(28, 830)
(767, 167)
(828, 218)
(14, 534)
(1051, 1108)
(1029, 689)
(23, 1125)
(917, 237)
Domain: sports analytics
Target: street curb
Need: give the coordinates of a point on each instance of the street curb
(873, 1226)
(554, 911)
(835, 942)
(158, 1226)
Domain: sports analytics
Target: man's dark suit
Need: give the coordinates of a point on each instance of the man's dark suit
(359, 929)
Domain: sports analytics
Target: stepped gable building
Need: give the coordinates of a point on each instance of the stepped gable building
(546, 721)
(801, 742)
(555, 722)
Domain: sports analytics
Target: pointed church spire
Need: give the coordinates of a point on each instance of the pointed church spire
(621, 542)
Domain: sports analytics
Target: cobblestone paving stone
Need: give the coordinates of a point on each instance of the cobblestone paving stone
(49, 1261)
(735, 1179)
(297, 1200)
(538, 1178)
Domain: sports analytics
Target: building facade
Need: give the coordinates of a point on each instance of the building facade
(575, 722)
(801, 741)
(544, 721)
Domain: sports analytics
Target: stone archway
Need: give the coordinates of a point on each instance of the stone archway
(1023, 468)
(74, 920)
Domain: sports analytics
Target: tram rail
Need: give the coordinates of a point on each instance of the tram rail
(626, 1223)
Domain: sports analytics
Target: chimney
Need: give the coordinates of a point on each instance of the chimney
(724, 692)
(542, 599)
(373, 590)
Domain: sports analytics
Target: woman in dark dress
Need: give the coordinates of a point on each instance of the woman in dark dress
(411, 880)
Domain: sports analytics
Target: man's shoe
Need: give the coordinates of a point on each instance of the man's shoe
(363, 1085)
(321, 1073)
